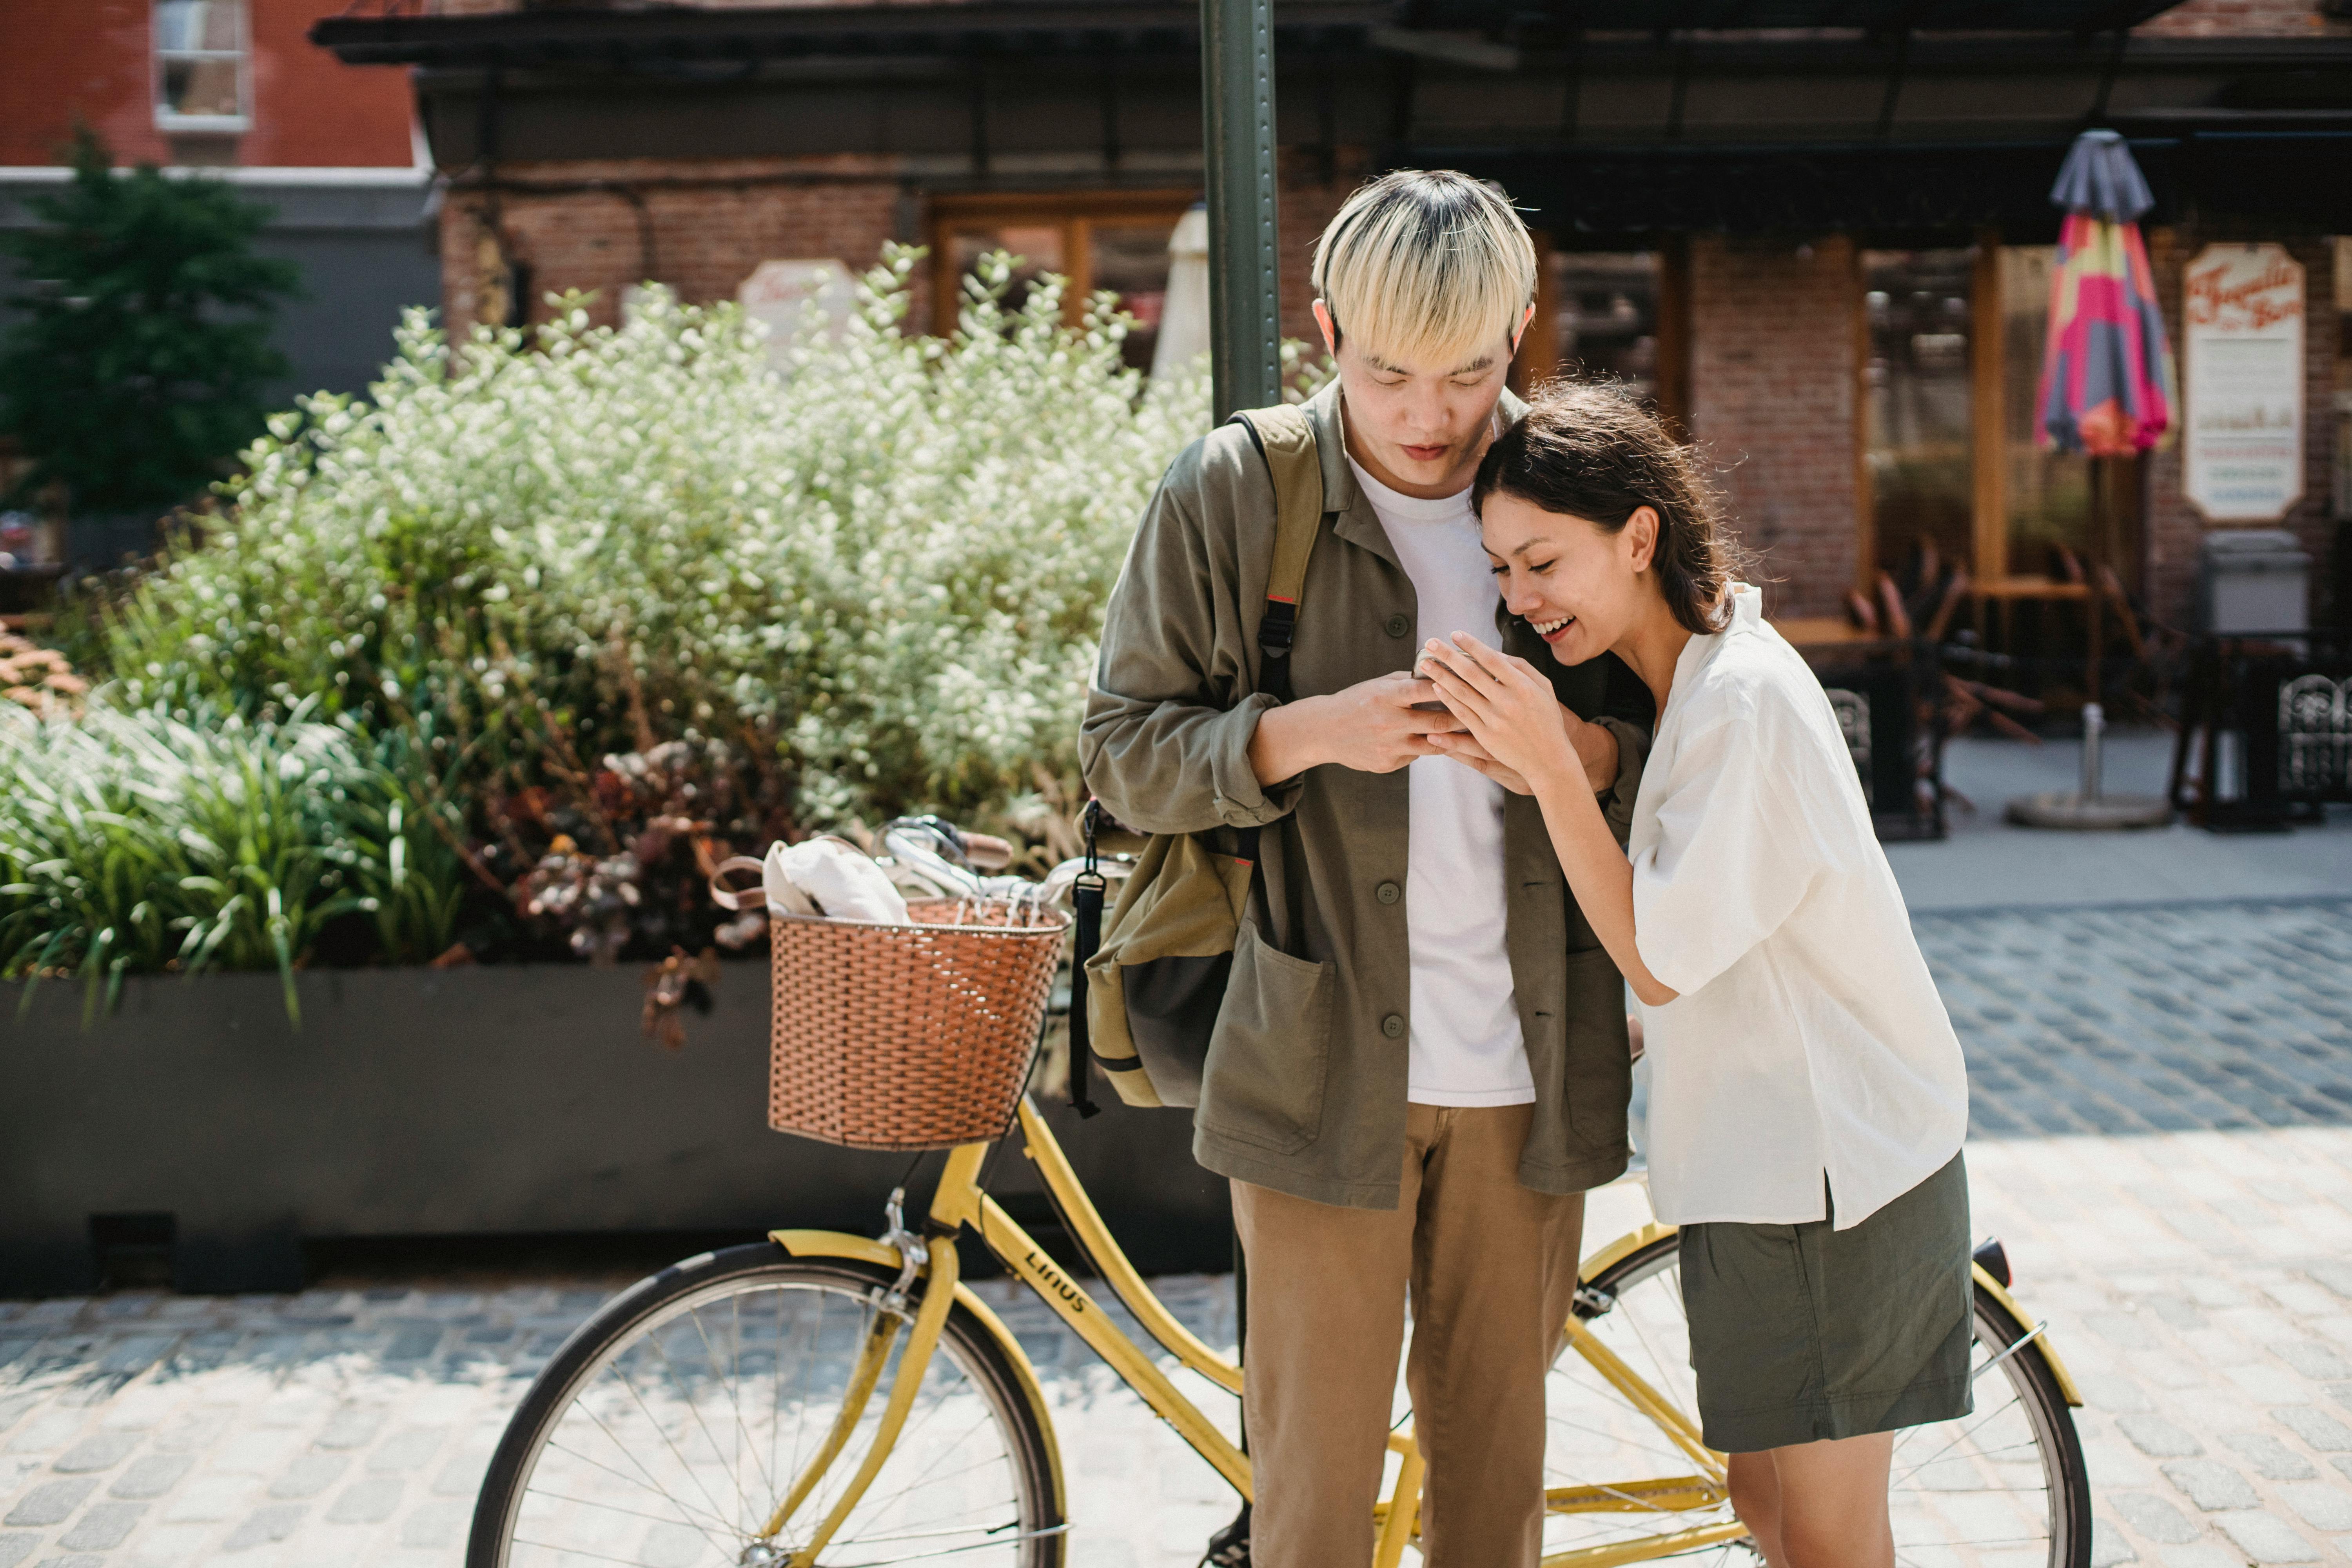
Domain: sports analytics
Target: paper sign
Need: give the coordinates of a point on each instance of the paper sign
(778, 292)
(2242, 342)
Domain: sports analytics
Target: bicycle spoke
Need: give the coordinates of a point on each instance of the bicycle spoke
(694, 1408)
(743, 1432)
(627, 1382)
(1958, 1438)
(677, 1502)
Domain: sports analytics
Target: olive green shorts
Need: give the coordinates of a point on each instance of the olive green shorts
(1800, 1332)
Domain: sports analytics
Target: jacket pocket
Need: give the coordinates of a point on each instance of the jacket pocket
(1271, 1050)
(1598, 1076)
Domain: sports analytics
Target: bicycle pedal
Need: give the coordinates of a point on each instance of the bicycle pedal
(1230, 1547)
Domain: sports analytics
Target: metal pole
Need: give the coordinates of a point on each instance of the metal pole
(1237, 136)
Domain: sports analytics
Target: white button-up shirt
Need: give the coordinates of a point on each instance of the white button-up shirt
(1807, 1039)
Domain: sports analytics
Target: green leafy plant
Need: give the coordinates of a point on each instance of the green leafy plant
(136, 365)
(877, 576)
(144, 840)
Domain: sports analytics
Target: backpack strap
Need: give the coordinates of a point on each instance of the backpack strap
(1286, 441)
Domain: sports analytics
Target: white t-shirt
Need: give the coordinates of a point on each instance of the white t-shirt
(1466, 1046)
(1807, 1037)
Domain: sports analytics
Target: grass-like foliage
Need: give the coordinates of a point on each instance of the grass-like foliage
(144, 840)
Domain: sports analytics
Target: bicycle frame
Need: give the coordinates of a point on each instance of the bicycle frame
(960, 1203)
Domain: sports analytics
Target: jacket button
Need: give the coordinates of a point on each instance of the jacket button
(1393, 1027)
(1399, 625)
(1388, 892)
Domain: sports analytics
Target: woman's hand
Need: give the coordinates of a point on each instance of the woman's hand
(1515, 723)
(1465, 749)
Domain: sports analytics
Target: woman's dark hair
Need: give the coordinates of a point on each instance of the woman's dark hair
(1586, 449)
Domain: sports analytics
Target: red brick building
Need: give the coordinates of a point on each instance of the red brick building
(235, 88)
(1817, 232)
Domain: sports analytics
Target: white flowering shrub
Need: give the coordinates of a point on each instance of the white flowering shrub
(876, 579)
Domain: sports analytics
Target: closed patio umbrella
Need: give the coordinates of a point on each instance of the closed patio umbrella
(2107, 391)
(2106, 374)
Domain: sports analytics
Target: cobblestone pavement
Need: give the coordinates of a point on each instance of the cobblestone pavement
(2163, 1139)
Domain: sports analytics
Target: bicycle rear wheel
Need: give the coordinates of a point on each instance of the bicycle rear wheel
(2003, 1487)
(668, 1428)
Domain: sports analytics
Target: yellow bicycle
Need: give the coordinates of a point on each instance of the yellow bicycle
(831, 1399)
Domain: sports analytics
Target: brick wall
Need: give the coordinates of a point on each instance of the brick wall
(683, 224)
(94, 62)
(2173, 530)
(1308, 203)
(1773, 398)
(703, 238)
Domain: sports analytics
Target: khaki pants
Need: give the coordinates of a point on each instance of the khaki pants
(1492, 1268)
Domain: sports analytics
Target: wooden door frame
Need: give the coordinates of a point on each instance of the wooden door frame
(1075, 213)
(1539, 356)
(1988, 408)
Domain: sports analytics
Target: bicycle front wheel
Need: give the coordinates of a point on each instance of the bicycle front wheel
(670, 1428)
(2004, 1485)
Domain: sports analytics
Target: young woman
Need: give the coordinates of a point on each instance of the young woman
(1807, 1095)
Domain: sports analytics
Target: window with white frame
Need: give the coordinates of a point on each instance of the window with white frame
(201, 80)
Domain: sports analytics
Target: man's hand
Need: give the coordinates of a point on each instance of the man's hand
(1374, 727)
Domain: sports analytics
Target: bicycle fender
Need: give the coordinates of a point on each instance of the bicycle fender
(1616, 1252)
(2010, 1305)
(866, 1249)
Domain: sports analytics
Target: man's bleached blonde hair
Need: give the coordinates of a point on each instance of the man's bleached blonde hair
(1426, 267)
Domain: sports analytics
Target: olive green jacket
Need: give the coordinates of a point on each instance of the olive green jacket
(1305, 1084)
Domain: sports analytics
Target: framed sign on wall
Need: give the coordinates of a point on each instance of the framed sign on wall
(2241, 345)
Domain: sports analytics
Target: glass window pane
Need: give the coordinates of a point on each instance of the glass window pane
(1916, 404)
(201, 85)
(2048, 493)
(1606, 316)
(2343, 387)
(197, 25)
(1036, 249)
(1130, 259)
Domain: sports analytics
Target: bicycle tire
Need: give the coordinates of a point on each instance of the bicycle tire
(2059, 1447)
(649, 1305)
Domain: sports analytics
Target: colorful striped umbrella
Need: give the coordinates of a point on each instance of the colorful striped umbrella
(2106, 374)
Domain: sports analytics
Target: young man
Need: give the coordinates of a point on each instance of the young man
(1420, 1063)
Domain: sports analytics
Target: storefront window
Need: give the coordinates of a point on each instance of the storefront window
(1916, 406)
(1115, 243)
(1605, 316)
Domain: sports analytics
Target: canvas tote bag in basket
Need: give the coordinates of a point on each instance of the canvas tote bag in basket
(903, 1037)
(1147, 984)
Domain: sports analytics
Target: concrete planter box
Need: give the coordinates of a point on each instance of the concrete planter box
(457, 1102)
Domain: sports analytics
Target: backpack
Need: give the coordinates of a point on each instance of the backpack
(1147, 982)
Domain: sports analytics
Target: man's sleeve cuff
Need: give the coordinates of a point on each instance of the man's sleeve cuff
(1239, 799)
(1632, 747)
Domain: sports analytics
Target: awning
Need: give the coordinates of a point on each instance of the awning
(1724, 15)
(1596, 194)
(617, 38)
(563, 35)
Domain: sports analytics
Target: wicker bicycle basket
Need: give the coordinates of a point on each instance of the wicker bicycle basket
(908, 1036)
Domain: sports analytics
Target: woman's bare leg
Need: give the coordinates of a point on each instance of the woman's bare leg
(1755, 1499)
(1825, 1504)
